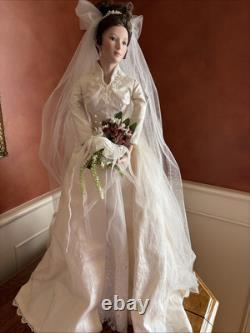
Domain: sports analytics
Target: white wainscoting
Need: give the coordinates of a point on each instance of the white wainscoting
(219, 221)
(24, 233)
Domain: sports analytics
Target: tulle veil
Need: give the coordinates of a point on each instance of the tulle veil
(157, 176)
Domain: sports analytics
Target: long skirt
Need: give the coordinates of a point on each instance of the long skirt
(102, 250)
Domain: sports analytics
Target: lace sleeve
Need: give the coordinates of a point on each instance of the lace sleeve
(79, 115)
(139, 101)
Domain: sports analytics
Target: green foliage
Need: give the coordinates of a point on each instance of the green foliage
(132, 127)
(126, 122)
(118, 115)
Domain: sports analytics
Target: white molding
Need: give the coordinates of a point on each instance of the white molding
(224, 205)
(28, 207)
(219, 218)
(24, 232)
(219, 221)
(220, 191)
(35, 244)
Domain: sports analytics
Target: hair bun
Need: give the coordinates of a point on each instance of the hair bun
(128, 10)
(130, 7)
(125, 8)
(104, 6)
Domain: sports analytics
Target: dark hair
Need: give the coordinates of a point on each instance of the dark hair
(114, 19)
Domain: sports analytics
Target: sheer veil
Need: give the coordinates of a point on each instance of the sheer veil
(156, 166)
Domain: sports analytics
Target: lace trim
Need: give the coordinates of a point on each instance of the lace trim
(105, 321)
(23, 319)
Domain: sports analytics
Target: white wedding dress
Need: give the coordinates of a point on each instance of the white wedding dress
(140, 258)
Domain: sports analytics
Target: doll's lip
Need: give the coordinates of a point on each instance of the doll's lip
(117, 53)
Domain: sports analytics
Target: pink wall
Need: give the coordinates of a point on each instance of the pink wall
(197, 52)
(37, 40)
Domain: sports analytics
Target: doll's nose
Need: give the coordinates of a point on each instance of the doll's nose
(118, 45)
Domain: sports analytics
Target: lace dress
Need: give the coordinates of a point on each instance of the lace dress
(65, 292)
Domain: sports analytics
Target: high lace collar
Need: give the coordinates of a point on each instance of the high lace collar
(99, 71)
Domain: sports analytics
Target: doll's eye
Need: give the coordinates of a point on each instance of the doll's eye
(112, 38)
(124, 43)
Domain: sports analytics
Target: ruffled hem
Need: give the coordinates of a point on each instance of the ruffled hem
(105, 321)
(19, 313)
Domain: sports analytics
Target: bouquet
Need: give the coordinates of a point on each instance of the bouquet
(118, 131)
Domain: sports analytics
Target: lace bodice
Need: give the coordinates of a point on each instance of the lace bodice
(93, 100)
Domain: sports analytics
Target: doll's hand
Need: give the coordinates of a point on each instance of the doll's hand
(124, 158)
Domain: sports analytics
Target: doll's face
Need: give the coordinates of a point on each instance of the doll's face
(114, 44)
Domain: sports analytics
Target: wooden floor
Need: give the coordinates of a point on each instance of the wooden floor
(201, 308)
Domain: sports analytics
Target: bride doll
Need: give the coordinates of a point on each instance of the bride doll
(120, 230)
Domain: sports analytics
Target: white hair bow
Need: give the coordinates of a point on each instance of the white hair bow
(90, 15)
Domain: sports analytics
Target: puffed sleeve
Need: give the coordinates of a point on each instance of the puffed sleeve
(139, 101)
(79, 114)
